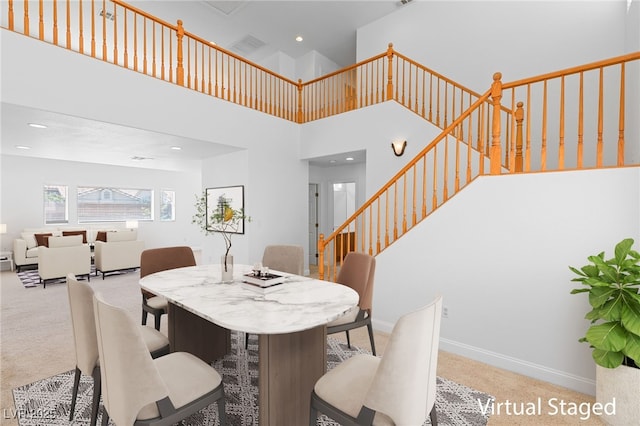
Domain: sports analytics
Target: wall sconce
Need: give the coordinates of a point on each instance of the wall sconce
(131, 224)
(398, 147)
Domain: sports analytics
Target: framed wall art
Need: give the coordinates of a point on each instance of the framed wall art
(225, 209)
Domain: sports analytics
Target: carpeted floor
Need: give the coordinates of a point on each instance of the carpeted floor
(47, 401)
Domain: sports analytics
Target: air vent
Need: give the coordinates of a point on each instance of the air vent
(225, 7)
(247, 45)
(107, 15)
(138, 158)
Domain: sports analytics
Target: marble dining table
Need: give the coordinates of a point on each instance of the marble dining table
(290, 323)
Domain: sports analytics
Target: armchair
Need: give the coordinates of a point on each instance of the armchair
(64, 255)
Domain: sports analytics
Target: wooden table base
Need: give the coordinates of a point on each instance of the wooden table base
(289, 366)
(190, 333)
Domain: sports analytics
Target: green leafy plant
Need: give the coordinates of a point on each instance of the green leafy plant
(612, 286)
(221, 218)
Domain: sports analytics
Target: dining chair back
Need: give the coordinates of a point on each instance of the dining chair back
(358, 272)
(397, 389)
(157, 260)
(86, 341)
(285, 258)
(138, 390)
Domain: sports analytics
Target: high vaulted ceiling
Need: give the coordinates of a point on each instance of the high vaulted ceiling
(254, 29)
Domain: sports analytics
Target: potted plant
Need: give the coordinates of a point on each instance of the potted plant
(219, 218)
(614, 335)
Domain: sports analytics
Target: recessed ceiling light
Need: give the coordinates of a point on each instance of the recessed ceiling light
(349, 158)
(37, 126)
(176, 148)
(23, 147)
(299, 38)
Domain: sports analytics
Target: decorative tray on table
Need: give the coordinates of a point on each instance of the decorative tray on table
(263, 282)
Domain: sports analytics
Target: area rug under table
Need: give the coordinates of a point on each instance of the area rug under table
(47, 401)
(30, 278)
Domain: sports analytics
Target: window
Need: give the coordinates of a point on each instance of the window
(100, 204)
(167, 205)
(55, 204)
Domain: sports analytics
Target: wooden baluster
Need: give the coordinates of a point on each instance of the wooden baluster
(135, 41)
(469, 151)
(456, 182)
(386, 219)
(11, 19)
(494, 154)
(68, 33)
(395, 210)
(399, 80)
(378, 248)
(115, 35)
(562, 124)
(431, 98)
(215, 74)
(403, 83)
(580, 152)
(446, 105)
(390, 72)
(126, 39)
(26, 18)
(424, 186)
(528, 141)
(404, 203)
(321, 256)
(424, 94)
(445, 174)
(144, 45)
(599, 144)
(543, 150)
(180, 67)
(162, 63)
(188, 62)
(414, 213)
(437, 123)
(416, 107)
(434, 199)
(519, 118)
(80, 24)
(510, 161)
(481, 140)
(104, 29)
(93, 29)
(170, 66)
(41, 19)
(300, 113)
(621, 118)
(55, 22)
(154, 55)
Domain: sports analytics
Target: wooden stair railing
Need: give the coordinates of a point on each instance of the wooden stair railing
(588, 104)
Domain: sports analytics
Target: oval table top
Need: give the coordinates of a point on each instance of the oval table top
(299, 304)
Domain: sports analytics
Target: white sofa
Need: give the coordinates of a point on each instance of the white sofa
(121, 251)
(25, 248)
(64, 255)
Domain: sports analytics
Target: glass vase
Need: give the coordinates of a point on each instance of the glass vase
(226, 269)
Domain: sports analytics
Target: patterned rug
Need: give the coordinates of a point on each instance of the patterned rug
(47, 402)
(30, 277)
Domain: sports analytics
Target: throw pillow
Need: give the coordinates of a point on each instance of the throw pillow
(83, 233)
(30, 239)
(41, 239)
(101, 236)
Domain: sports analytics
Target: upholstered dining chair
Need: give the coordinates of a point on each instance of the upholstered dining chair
(156, 260)
(139, 390)
(358, 272)
(284, 258)
(397, 389)
(86, 341)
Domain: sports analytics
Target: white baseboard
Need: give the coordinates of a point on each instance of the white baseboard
(526, 368)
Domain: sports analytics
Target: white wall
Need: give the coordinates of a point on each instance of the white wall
(21, 206)
(468, 41)
(499, 253)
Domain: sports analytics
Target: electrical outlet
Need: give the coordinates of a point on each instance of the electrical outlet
(445, 312)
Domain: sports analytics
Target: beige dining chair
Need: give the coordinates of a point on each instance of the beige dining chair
(358, 272)
(156, 260)
(139, 390)
(86, 341)
(397, 389)
(284, 258)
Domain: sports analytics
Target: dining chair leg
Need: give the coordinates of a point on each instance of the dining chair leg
(246, 340)
(74, 396)
(144, 317)
(157, 317)
(433, 415)
(222, 413)
(97, 390)
(348, 339)
(373, 345)
(105, 418)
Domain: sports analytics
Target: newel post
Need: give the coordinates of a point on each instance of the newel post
(519, 120)
(390, 73)
(300, 117)
(495, 151)
(180, 67)
(321, 257)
